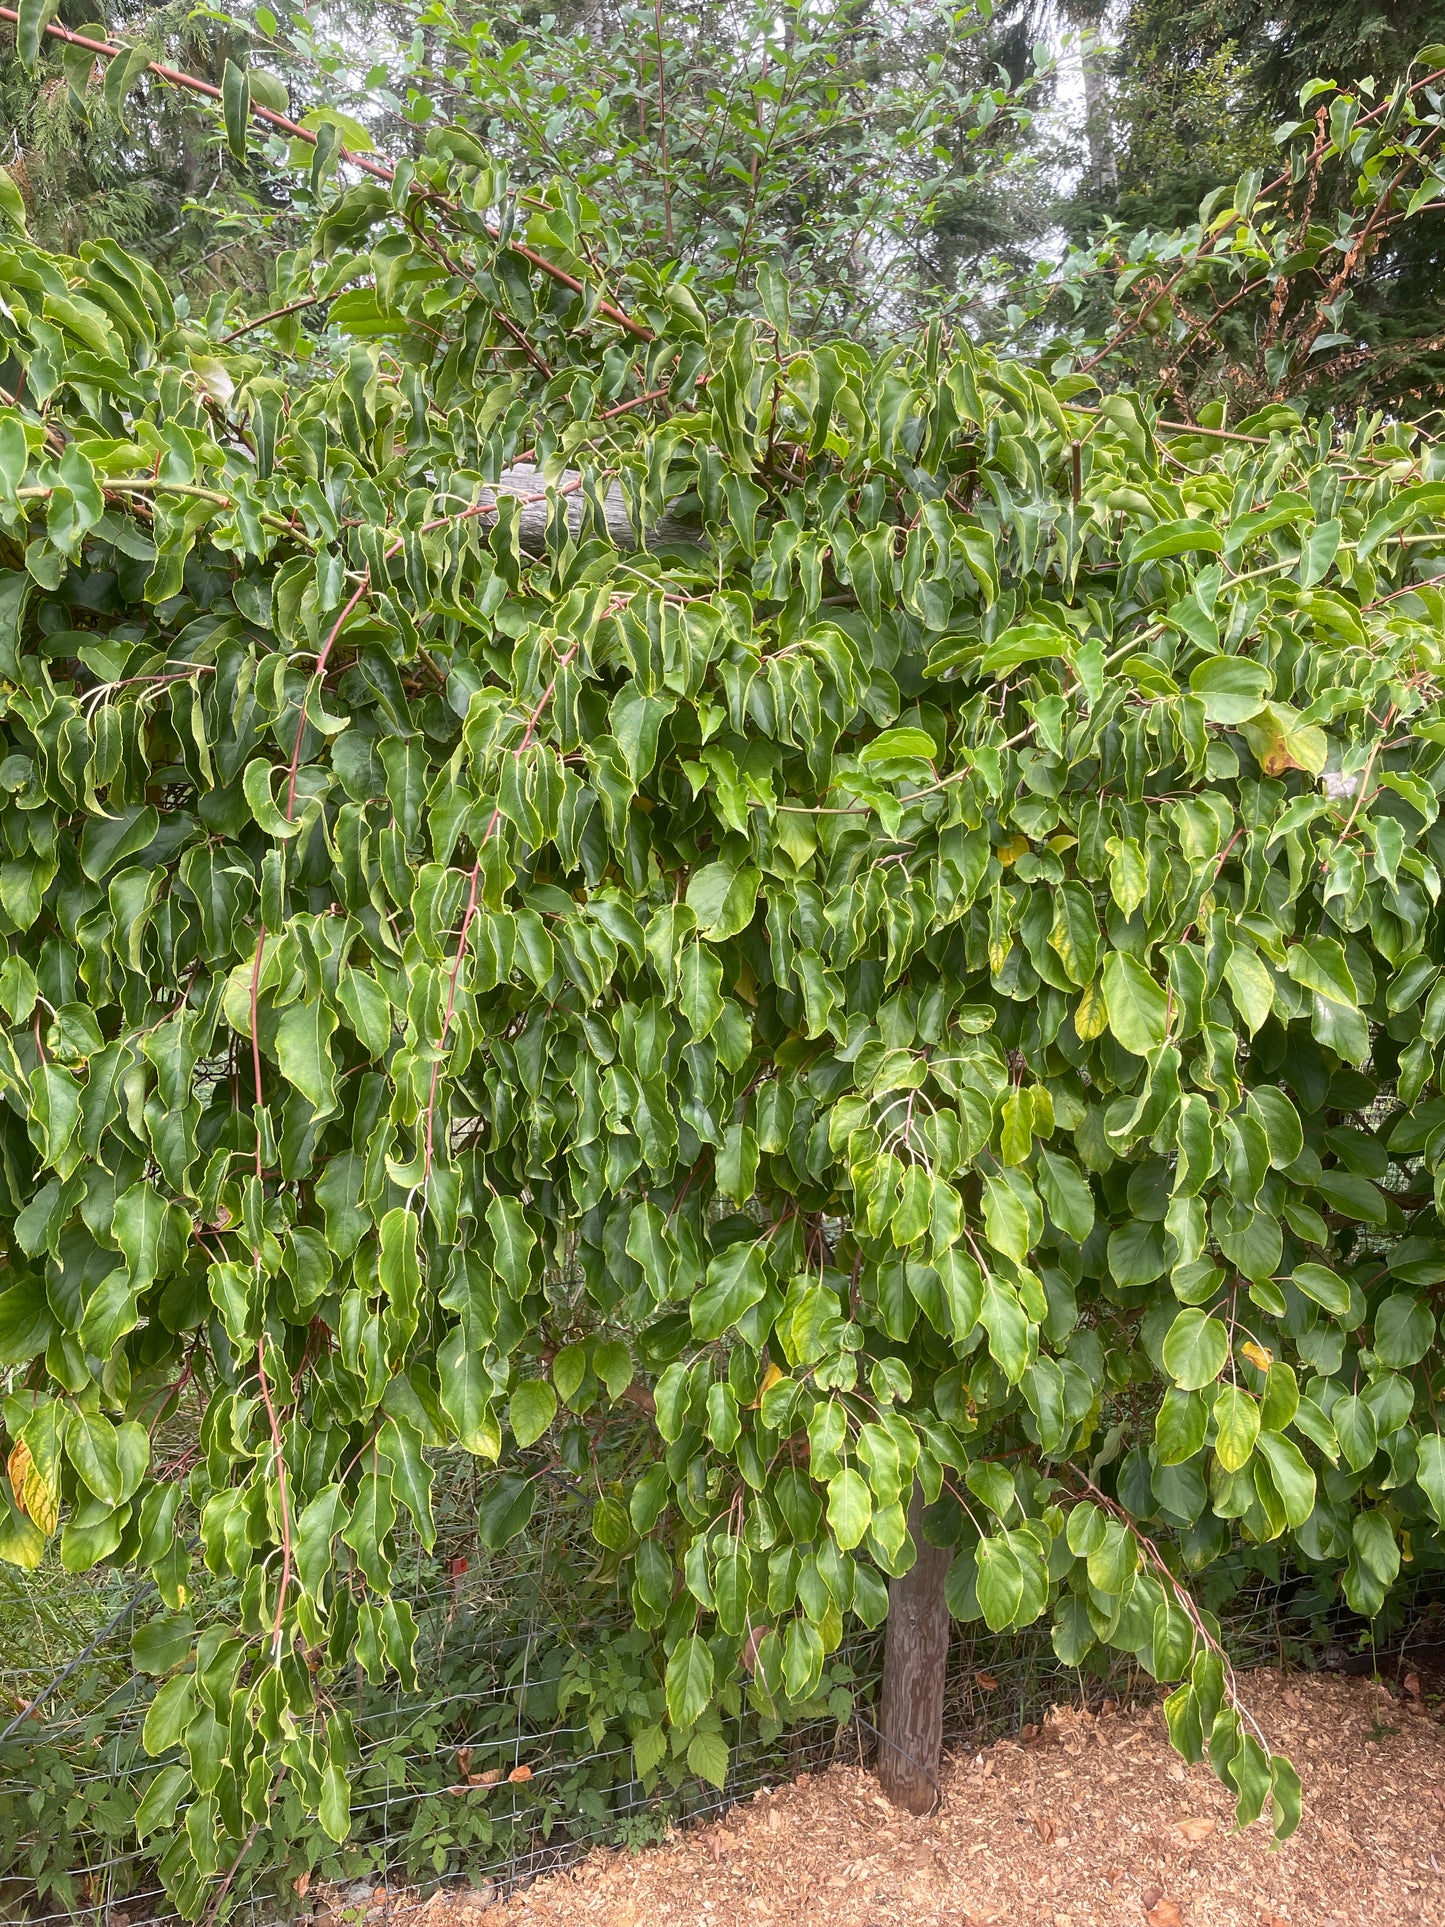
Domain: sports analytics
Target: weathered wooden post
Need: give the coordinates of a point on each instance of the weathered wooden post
(910, 1731)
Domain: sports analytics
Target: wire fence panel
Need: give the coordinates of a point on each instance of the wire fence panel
(513, 1752)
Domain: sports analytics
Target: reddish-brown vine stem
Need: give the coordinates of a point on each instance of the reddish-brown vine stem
(284, 1498)
(321, 661)
(256, 1045)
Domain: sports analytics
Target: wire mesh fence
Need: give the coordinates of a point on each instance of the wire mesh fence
(513, 1752)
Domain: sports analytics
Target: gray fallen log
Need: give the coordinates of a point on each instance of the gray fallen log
(526, 481)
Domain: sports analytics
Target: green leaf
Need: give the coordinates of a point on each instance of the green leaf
(1354, 1428)
(1195, 1349)
(531, 1409)
(1173, 1642)
(722, 896)
(1286, 1796)
(1000, 1583)
(901, 745)
(1232, 688)
(1188, 536)
(334, 1808)
(1113, 1559)
(121, 76)
(1282, 1129)
(513, 1241)
(802, 1659)
(137, 1224)
(1430, 1473)
(1404, 1330)
(1136, 1005)
(701, 988)
(367, 1009)
(33, 16)
(736, 1281)
(1073, 1630)
(236, 103)
(12, 211)
(162, 1644)
(400, 1445)
(303, 1040)
(1066, 1196)
(1179, 1426)
(506, 1509)
(612, 1363)
(1181, 1716)
(1318, 964)
(316, 1529)
(1250, 985)
(1376, 1546)
(1013, 1581)
(649, 1750)
(93, 1448)
(689, 1681)
(1326, 1287)
(1236, 1427)
(26, 1321)
(1292, 1476)
(158, 1803)
(1008, 1329)
(169, 1714)
(708, 1756)
(850, 1508)
(1006, 1219)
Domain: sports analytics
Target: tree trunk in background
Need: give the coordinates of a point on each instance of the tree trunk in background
(1090, 17)
(910, 1736)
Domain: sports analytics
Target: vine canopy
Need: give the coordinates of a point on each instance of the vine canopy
(922, 969)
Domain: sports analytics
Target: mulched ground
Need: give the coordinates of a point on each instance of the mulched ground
(1094, 1823)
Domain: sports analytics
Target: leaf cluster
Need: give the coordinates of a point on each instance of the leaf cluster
(923, 976)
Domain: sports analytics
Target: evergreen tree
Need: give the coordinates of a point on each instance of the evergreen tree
(1197, 91)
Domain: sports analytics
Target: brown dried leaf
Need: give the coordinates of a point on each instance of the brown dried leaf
(755, 1638)
(302, 1884)
(490, 1777)
(1045, 1828)
(519, 1773)
(1197, 1828)
(1165, 1913)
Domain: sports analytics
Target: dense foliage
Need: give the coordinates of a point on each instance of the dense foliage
(924, 970)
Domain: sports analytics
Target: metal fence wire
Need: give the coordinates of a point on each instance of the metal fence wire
(513, 1755)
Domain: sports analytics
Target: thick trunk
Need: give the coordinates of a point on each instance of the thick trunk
(910, 1735)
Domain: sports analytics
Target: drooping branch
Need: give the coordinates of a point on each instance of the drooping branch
(378, 170)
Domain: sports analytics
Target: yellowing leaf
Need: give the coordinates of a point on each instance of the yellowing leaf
(1282, 742)
(1091, 1015)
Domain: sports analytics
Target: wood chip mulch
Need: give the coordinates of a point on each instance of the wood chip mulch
(1095, 1823)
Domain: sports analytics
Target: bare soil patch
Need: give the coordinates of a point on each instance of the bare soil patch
(1094, 1822)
